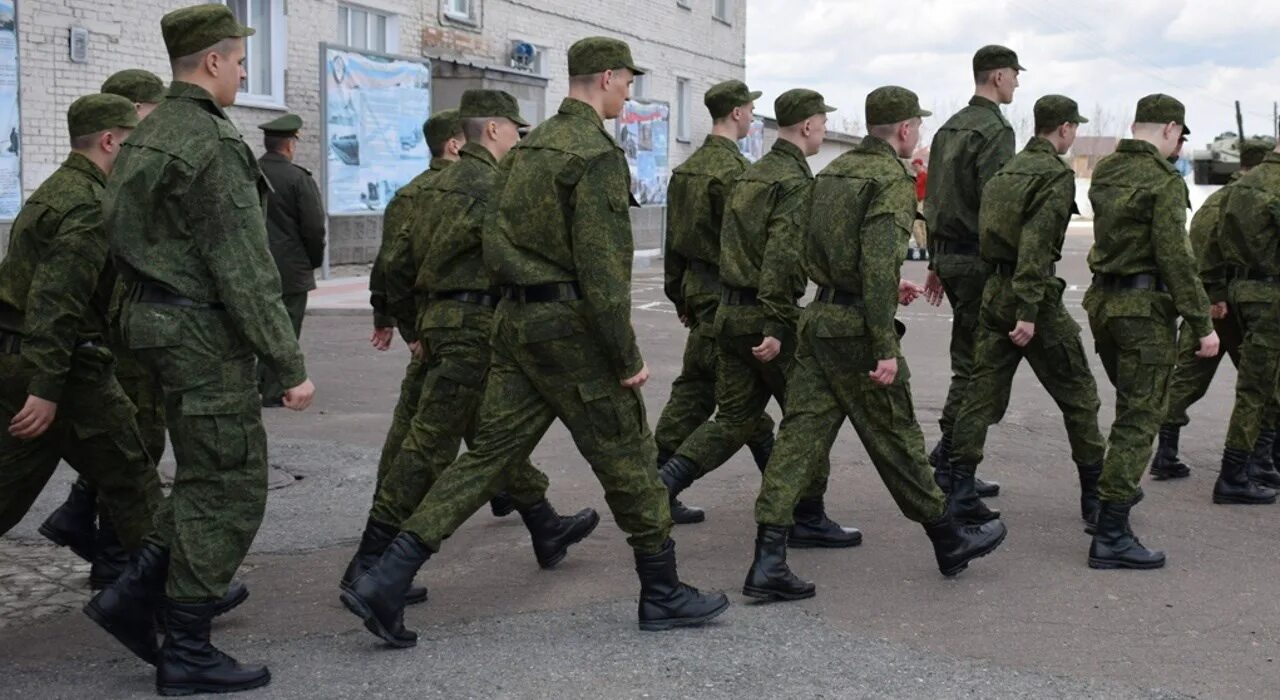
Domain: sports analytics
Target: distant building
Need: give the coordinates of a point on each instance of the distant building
(1088, 150)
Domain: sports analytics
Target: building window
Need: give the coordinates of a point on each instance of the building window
(461, 11)
(640, 88)
(685, 4)
(684, 96)
(264, 51)
(362, 28)
(720, 10)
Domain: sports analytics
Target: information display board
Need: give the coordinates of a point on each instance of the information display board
(752, 145)
(10, 123)
(643, 131)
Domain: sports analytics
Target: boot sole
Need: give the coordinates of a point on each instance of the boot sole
(1095, 563)
(825, 544)
(564, 551)
(195, 688)
(371, 623)
(770, 594)
(976, 555)
(673, 623)
(689, 520)
(100, 619)
(1238, 501)
(411, 599)
(56, 537)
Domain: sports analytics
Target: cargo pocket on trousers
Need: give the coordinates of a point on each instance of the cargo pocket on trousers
(216, 428)
(891, 403)
(1158, 362)
(546, 343)
(602, 411)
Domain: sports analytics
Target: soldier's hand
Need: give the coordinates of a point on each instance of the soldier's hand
(1022, 333)
(767, 349)
(639, 379)
(1208, 345)
(35, 417)
(415, 348)
(885, 371)
(299, 397)
(381, 338)
(1218, 311)
(908, 292)
(933, 289)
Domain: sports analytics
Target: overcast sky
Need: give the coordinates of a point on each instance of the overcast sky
(1103, 53)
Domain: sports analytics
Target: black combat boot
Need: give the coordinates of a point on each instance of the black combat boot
(1166, 465)
(378, 595)
(501, 505)
(677, 474)
(814, 529)
(761, 451)
(552, 533)
(190, 664)
(955, 544)
(963, 502)
(1114, 544)
(1262, 468)
(71, 524)
(126, 609)
(770, 578)
(665, 602)
(940, 457)
(109, 556)
(1234, 487)
(1089, 504)
(375, 540)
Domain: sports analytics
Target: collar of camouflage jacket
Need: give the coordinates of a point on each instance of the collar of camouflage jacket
(439, 163)
(190, 91)
(582, 110)
(475, 150)
(873, 144)
(721, 142)
(80, 163)
(790, 150)
(1039, 145)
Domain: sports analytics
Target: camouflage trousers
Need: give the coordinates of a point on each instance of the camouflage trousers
(1135, 335)
(93, 431)
(1057, 357)
(693, 393)
(457, 334)
(828, 383)
(1257, 307)
(744, 386)
(268, 383)
(963, 279)
(406, 405)
(1193, 375)
(547, 365)
(208, 375)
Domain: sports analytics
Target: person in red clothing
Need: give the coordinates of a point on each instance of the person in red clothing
(918, 232)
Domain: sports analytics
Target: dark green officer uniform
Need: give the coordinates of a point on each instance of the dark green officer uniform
(55, 293)
(296, 234)
(1026, 208)
(965, 154)
(696, 199)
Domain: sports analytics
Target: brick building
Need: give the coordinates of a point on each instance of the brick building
(686, 45)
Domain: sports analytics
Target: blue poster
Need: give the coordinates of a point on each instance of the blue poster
(10, 124)
(643, 134)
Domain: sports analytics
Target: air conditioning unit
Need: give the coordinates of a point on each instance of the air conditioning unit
(526, 57)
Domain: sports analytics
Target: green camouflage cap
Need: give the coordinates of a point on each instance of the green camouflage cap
(288, 125)
(795, 106)
(193, 29)
(1161, 109)
(1052, 111)
(490, 103)
(1254, 151)
(892, 104)
(441, 127)
(993, 56)
(93, 113)
(135, 85)
(725, 97)
(597, 54)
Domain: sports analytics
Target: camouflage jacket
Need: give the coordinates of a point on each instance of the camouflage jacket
(445, 239)
(1249, 233)
(561, 213)
(295, 222)
(763, 229)
(184, 209)
(966, 152)
(400, 211)
(55, 283)
(1205, 245)
(864, 206)
(1025, 211)
(1140, 226)
(695, 208)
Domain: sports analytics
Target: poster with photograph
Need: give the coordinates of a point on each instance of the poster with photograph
(752, 145)
(10, 124)
(374, 109)
(643, 129)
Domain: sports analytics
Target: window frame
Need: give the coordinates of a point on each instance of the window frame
(684, 98)
(391, 37)
(727, 16)
(472, 18)
(277, 44)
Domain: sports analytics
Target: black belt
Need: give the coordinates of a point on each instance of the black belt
(1256, 276)
(149, 293)
(538, 293)
(481, 298)
(1138, 281)
(838, 297)
(704, 267)
(739, 296)
(957, 248)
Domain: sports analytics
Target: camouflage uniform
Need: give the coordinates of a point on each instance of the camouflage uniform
(55, 290)
(1026, 207)
(863, 209)
(184, 207)
(695, 208)
(560, 359)
(1144, 278)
